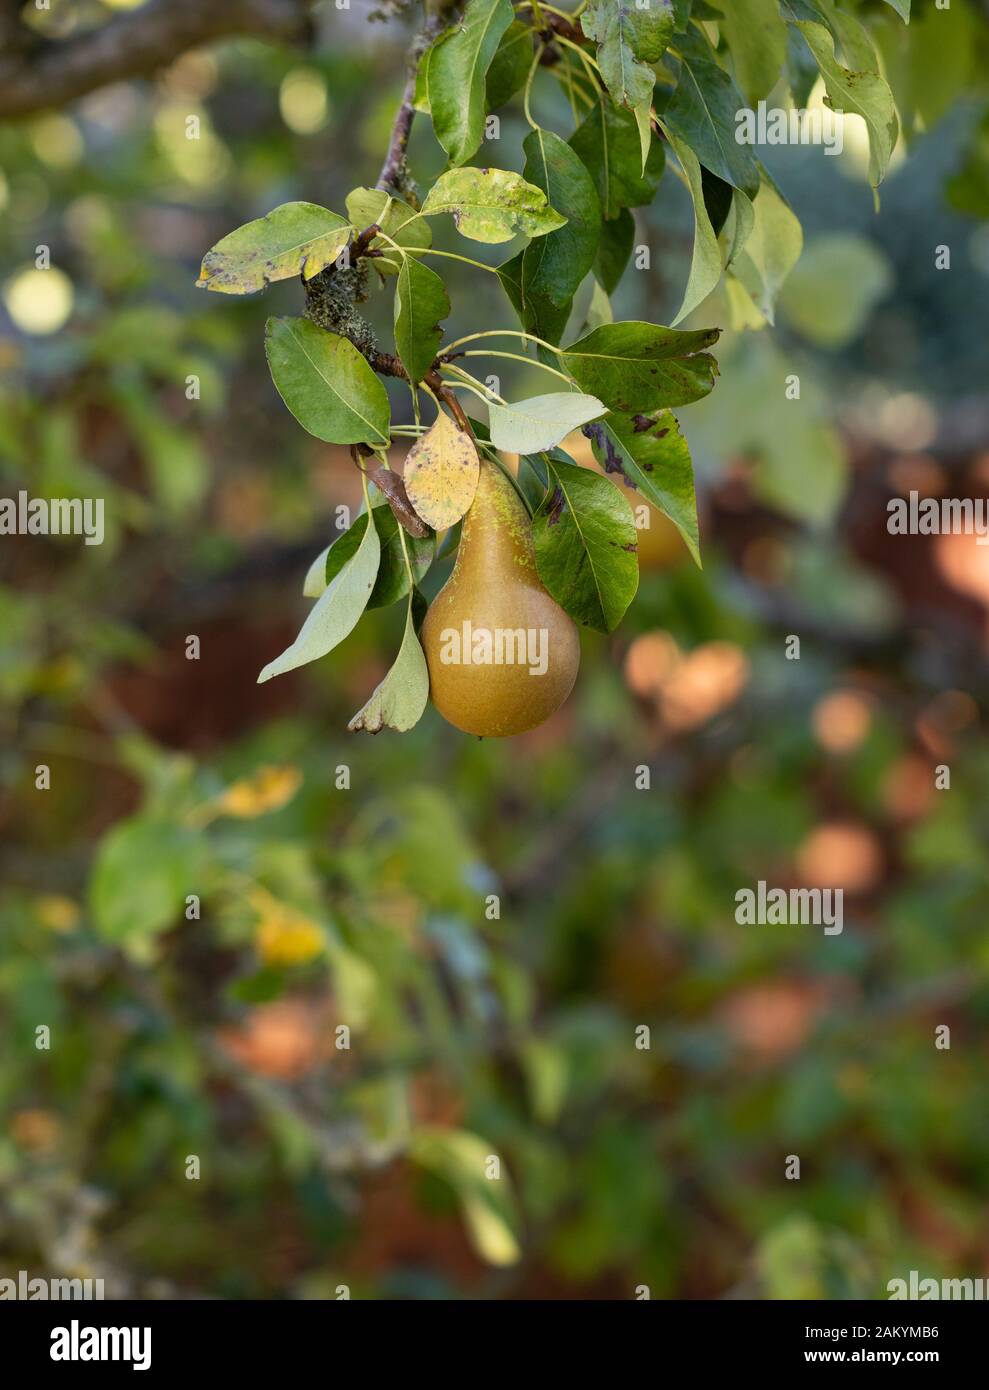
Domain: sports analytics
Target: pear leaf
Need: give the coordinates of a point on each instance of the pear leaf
(756, 37)
(392, 581)
(140, 877)
(510, 65)
(400, 699)
(865, 94)
(635, 366)
(492, 205)
(809, 302)
(400, 222)
(293, 239)
(460, 1159)
(315, 580)
(421, 301)
(586, 546)
(528, 427)
(326, 383)
(771, 251)
(542, 280)
(629, 36)
(705, 265)
(458, 66)
(609, 144)
(441, 472)
(614, 250)
(702, 111)
(337, 610)
(651, 454)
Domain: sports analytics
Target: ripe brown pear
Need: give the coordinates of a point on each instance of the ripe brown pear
(502, 654)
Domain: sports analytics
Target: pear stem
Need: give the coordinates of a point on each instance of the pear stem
(527, 94)
(445, 394)
(472, 384)
(500, 333)
(518, 357)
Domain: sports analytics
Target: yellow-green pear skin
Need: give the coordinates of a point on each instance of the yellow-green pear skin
(502, 654)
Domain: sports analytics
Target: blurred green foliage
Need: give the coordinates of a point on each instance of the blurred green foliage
(218, 879)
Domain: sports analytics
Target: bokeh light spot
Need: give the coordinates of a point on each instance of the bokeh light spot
(39, 301)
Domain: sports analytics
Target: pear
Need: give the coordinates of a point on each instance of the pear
(502, 654)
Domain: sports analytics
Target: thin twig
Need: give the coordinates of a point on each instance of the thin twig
(394, 176)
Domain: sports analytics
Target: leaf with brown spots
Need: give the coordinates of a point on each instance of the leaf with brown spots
(652, 455)
(294, 239)
(441, 471)
(492, 205)
(585, 542)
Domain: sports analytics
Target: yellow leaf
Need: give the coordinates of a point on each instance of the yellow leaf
(492, 1236)
(284, 935)
(56, 912)
(441, 471)
(268, 790)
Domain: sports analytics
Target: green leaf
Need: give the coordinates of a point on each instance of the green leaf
(809, 301)
(800, 71)
(458, 64)
(629, 37)
(528, 427)
(705, 265)
(738, 226)
(392, 582)
(702, 113)
(542, 280)
(599, 309)
(491, 205)
(614, 250)
(421, 301)
(634, 366)
(643, 121)
(865, 94)
(510, 65)
(771, 250)
(144, 868)
(585, 541)
(174, 456)
(397, 220)
(814, 492)
(653, 456)
(756, 37)
(853, 39)
(556, 264)
(608, 143)
(294, 239)
(800, 465)
(326, 383)
(902, 8)
(537, 312)
(355, 985)
(461, 1159)
(400, 699)
(941, 55)
(967, 190)
(337, 610)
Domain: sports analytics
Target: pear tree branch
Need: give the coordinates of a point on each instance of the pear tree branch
(394, 176)
(37, 74)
